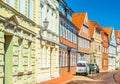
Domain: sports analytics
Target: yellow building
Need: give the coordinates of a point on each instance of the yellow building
(17, 42)
(96, 43)
(47, 41)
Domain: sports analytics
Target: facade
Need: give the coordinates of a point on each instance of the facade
(80, 19)
(17, 42)
(96, 43)
(68, 40)
(117, 35)
(105, 45)
(112, 48)
(47, 41)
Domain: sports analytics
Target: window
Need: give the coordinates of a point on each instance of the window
(71, 59)
(84, 43)
(99, 48)
(81, 42)
(61, 58)
(61, 30)
(80, 64)
(72, 37)
(97, 31)
(66, 59)
(21, 6)
(10, 2)
(30, 8)
(64, 56)
(103, 49)
(105, 62)
(64, 33)
(41, 14)
(52, 21)
(62, 8)
(44, 57)
(68, 15)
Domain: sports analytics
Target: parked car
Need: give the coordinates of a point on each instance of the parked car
(82, 68)
(94, 68)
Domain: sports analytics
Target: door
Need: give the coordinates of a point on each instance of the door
(8, 47)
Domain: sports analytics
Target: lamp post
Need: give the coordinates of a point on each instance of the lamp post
(45, 23)
(69, 49)
(94, 56)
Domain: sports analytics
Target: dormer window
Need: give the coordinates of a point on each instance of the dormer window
(97, 30)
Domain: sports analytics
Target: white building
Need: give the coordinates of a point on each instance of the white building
(117, 34)
(112, 48)
(47, 42)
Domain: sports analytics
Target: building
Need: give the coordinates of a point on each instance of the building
(68, 40)
(96, 43)
(117, 35)
(105, 45)
(80, 19)
(47, 41)
(112, 48)
(17, 42)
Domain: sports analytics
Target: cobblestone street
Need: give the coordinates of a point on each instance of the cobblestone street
(101, 78)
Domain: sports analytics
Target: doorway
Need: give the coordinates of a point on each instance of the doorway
(8, 53)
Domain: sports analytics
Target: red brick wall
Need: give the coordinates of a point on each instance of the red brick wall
(67, 43)
(83, 49)
(104, 57)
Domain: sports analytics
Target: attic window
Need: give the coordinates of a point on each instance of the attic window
(97, 31)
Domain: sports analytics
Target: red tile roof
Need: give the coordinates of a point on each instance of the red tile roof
(108, 31)
(117, 33)
(78, 18)
(92, 26)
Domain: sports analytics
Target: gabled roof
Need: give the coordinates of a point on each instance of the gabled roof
(92, 26)
(98, 26)
(105, 43)
(117, 33)
(78, 18)
(108, 31)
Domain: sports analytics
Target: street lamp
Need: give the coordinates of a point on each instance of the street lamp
(69, 49)
(94, 56)
(45, 23)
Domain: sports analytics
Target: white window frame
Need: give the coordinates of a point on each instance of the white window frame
(21, 6)
(31, 9)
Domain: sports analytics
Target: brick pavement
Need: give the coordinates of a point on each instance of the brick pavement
(68, 77)
(117, 77)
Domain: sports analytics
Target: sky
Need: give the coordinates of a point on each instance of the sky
(105, 12)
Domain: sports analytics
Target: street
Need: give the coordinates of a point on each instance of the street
(100, 78)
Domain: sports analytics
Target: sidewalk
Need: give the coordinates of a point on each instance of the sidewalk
(59, 80)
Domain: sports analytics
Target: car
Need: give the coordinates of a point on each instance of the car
(94, 68)
(82, 68)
